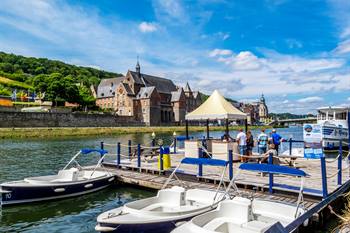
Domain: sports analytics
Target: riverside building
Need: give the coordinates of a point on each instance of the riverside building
(146, 98)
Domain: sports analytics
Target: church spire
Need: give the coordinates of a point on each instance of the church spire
(138, 69)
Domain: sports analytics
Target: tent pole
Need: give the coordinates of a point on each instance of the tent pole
(246, 125)
(227, 131)
(187, 130)
(207, 128)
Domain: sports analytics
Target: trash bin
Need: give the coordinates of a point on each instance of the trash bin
(166, 158)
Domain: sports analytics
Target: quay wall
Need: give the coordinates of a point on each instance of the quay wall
(54, 119)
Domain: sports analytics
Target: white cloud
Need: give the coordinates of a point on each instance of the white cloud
(311, 99)
(245, 60)
(225, 36)
(348, 99)
(147, 27)
(220, 52)
(343, 47)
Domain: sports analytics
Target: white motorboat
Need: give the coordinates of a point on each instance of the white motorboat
(68, 182)
(334, 123)
(169, 207)
(243, 215)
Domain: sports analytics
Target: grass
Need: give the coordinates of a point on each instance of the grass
(91, 131)
(26, 103)
(13, 83)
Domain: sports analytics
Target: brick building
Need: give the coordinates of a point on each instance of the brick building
(257, 112)
(149, 99)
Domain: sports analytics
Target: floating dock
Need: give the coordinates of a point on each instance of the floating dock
(328, 180)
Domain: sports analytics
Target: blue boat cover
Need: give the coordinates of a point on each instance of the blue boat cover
(270, 168)
(203, 161)
(88, 151)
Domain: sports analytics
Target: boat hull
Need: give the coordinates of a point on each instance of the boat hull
(160, 227)
(20, 194)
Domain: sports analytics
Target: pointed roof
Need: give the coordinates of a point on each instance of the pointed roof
(187, 88)
(107, 87)
(162, 85)
(176, 95)
(216, 107)
(145, 92)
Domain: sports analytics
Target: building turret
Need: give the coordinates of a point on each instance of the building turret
(138, 68)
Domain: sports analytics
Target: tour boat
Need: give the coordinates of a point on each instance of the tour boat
(245, 215)
(68, 182)
(334, 123)
(171, 206)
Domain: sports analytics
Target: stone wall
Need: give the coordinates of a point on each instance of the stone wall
(36, 119)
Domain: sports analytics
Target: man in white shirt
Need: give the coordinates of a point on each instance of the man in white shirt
(242, 142)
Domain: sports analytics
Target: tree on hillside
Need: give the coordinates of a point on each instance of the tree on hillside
(86, 99)
(60, 89)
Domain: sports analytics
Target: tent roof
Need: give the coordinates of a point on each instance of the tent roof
(216, 107)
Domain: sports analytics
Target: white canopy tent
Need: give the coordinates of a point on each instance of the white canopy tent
(216, 107)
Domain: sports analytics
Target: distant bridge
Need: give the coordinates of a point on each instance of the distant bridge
(286, 122)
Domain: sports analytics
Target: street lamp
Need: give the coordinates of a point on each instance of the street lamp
(153, 139)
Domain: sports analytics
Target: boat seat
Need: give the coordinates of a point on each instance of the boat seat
(155, 206)
(257, 226)
(67, 175)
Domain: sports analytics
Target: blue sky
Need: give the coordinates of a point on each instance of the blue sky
(295, 52)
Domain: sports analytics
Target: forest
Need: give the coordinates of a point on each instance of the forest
(56, 81)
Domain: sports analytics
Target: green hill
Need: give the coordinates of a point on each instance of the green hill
(60, 81)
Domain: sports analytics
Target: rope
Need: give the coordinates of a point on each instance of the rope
(125, 145)
(150, 147)
(333, 160)
(108, 144)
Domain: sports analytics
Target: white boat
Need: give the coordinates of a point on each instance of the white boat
(243, 215)
(334, 123)
(168, 208)
(68, 182)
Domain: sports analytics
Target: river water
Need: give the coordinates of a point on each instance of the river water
(34, 157)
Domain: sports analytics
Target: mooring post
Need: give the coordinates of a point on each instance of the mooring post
(129, 148)
(230, 164)
(324, 177)
(102, 147)
(290, 146)
(161, 166)
(139, 155)
(174, 135)
(200, 166)
(340, 159)
(270, 174)
(118, 153)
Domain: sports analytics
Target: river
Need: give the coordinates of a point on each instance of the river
(24, 158)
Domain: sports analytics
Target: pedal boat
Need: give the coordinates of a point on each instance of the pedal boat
(171, 206)
(249, 215)
(68, 182)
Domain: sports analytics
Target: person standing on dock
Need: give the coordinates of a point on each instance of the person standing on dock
(242, 143)
(276, 139)
(250, 143)
(262, 142)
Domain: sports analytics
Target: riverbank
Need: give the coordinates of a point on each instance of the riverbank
(8, 133)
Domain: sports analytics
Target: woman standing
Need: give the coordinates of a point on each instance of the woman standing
(250, 143)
